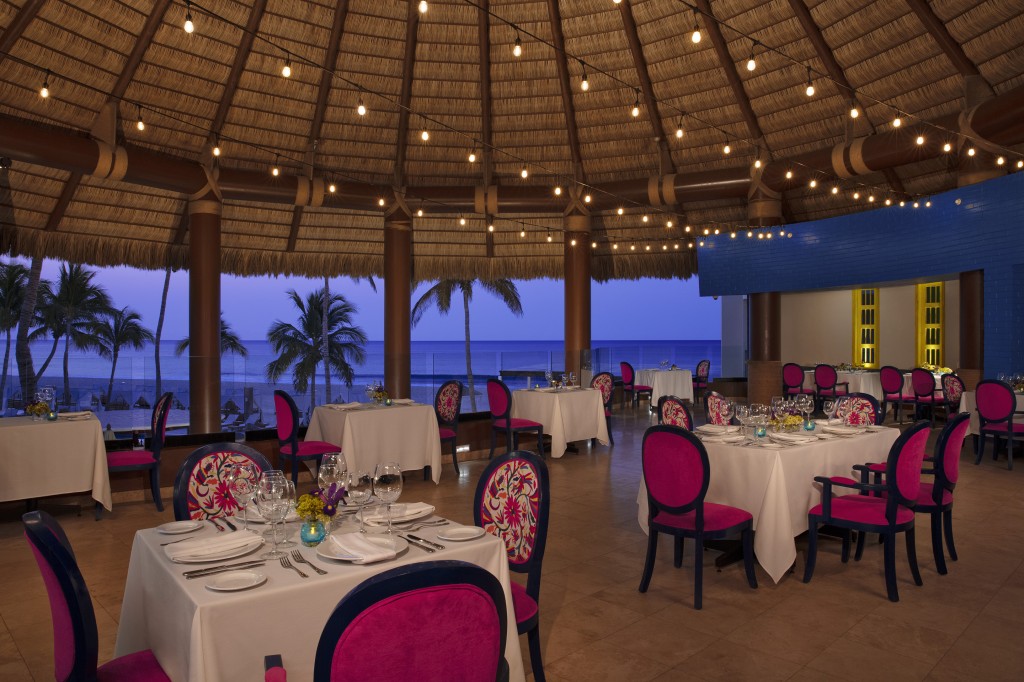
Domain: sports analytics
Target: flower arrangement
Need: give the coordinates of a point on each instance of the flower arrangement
(788, 422)
(377, 392)
(848, 366)
(37, 409)
(935, 369)
(321, 504)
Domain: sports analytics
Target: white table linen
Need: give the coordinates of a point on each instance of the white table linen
(369, 435)
(776, 485)
(567, 415)
(203, 636)
(968, 403)
(677, 382)
(860, 382)
(43, 458)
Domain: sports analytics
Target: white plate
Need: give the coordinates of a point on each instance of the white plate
(876, 427)
(825, 436)
(229, 554)
(179, 527)
(254, 516)
(330, 550)
(379, 516)
(843, 430)
(233, 581)
(719, 429)
(461, 533)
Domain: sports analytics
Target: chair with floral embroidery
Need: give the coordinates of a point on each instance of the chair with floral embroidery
(447, 407)
(864, 410)
(714, 409)
(701, 376)
(677, 474)
(75, 637)
(891, 380)
(952, 391)
(674, 412)
(291, 448)
(629, 384)
(605, 383)
(793, 380)
(997, 405)
(200, 491)
(512, 501)
(500, 400)
(145, 460)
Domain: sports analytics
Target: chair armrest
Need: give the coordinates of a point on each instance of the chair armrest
(843, 383)
(273, 669)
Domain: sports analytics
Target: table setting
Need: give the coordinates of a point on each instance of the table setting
(666, 380)
(568, 414)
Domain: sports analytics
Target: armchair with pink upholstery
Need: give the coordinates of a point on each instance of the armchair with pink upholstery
(291, 448)
(793, 380)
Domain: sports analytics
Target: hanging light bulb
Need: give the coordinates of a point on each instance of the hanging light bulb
(696, 28)
(917, 205)
(752, 63)
(419, 213)
(664, 247)
(423, 7)
(572, 242)
(813, 183)
(854, 111)
(644, 218)
(727, 149)
(1000, 161)
(707, 231)
(549, 237)
(275, 171)
(632, 247)
(686, 229)
(380, 202)
(676, 246)
(286, 70)
(425, 136)
(635, 111)
(332, 188)
(871, 198)
(947, 147)
(472, 156)
(689, 245)
(216, 146)
(902, 204)
(888, 201)
(856, 195)
(490, 227)
(189, 26)
(517, 49)
(757, 163)
(361, 108)
(716, 230)
(970, 151)
(44, 91)
(668, 224)
(679, 129)
(768, 236)
(524, 173)
(593, 245)
(897, 122)
(615, 245)
(647, 248)
(620, 211)
(732, 235)
(586, 198)
(522, 233)
(750, 233)
(835, 189)
(584, 84)
(1020, 164)
(919, 140)
(140, 125)
(558, 190)
(789, 175)
(810, 84)
(928, 204)
(462, 220)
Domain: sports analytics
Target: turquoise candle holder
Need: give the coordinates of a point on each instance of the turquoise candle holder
(387, 402)
(51, 416)
(809, 425)
(761, 431)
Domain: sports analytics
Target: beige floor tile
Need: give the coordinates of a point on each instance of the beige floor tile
(782, 638)
(854, 661)
(724, 660)
(605, 662)
(901, 637)
(651, 639)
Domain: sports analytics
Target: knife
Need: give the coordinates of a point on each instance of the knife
(426, 542)
(228, 521)
(202, 572)
(425, 547)
(220, 529)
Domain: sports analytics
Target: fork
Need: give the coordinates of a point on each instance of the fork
(416, 525)
(287, 564)
(297, 556)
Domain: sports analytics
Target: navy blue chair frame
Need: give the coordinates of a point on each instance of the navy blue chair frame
(631, 387)
(879, 415)
(898, 403)
(453, 425)
(997, 419)
(293, 439)
(180, 502)
(160, 412)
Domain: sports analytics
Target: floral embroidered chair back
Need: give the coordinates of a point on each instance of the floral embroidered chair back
(200, 488)
(448, 403)
(715, 404)
(673, 412)
(703, 370)
(953, 388)
(864, 410)
(606, 384)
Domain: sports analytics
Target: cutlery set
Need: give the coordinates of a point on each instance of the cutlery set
(426, 545)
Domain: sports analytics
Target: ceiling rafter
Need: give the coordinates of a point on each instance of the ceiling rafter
(237, 67)
(558, 38)
(60, 208)
(322, 97)
(946, 42)
(21, 20)
(837, 74)
(484, 27)
(643, 72)
(405, 97)
(182, 229)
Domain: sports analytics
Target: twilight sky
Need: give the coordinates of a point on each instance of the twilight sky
(650, 309)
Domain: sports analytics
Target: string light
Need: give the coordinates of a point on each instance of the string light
(361, 108)
(216, 146)
(917, 205)
(751, 63)
(902, 204)
(522, 233)
(593, 245)
(1020, 164)
(696, 28)
(871, 198)
(632, 247)
(1000, 161)
(888, 201)
(716, 230)
(423, 7)
(750, 233)
(490, 227)
(558, 191)
(615, 246)
(140, 125)
(644, 218)
(757, 163)
(517, 49)
(727, 149)
(189, 26)
(686, 229)
(275, 171)
(472, 156)
(768, 236)
(332, 188)
(970, 151)
(813, 183)
(584, 84)
(664, 247)
(380, 202)
(810, 84)
(462, 220)
(635, 111)
(676, 246)
(44, 91)
(689, 245)
(919, 140)
(647, 248)
(700, 243)
(524, 173)
(835, 189)
(586, 198)
(856, 195)
(897, 122)
(679, 129)
(425, 136)
(789, 175)
(707, 231)
(928, 204)
(732, 235)
(572, 242)
(549, 237)
(854, 111)
(419, 213)
(286, 71)
(947, 147)
(668, 224)
(620, 211)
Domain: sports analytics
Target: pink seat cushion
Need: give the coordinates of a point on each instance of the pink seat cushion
(275, 674)
(522, 603)
(844, 480)
(1002, 428)
(794, 390)
(516, 423)
(924, 497)
(138, 667)
(895, 396)
(645, 389)
(863, 509)
(931, 399)
(716, 517)
(446, 433)
(126, 458)
(310, 448)
(832, 391)
(607, 413)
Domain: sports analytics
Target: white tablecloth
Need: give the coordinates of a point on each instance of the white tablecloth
(867, 381)
(968, 404)
(567, 415)
(369, 435)
(203, 636)
(42, 458)
(677, 382)
(777, 487)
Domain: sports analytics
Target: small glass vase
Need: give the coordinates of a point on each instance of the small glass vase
(312, 532)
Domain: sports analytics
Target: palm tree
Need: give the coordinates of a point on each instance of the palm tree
(441, 295)
(325, 335)
(116, 330)
(77, 304)
(300, 346)
(229, 341)
(160, 330)
(13, 280)
(22, 352)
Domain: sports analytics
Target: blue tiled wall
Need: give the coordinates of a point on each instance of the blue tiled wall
(984, 231)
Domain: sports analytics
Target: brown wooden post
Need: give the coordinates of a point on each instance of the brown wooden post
(972, 328)
(204, 314)
(577, 291)
(397, 304)
(764, 370)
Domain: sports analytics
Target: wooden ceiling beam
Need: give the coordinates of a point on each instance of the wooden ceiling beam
(21, 20)
(643, 72)
(945, 41)
(67, 193)
(237, 67)
(484, 29)
(405, 98)
(558, 37)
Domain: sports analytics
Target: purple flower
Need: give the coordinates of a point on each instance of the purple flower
(332, 497)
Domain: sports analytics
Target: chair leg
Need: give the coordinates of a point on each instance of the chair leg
(812, 549)
(494, 442)
(845, 555)
(455, 458)
(678, 557)
(295, 471)
(540, 443)
(426, 473)
(1009, 452)
(698, 572)
(652, 552)
(748, 557)
(979, 448)
(98, 511)
(889, 552)
(947, 526)
(912, 556)
(533, 640)
(940, 558)
(611, 438)
(861, 538)
(154, 485)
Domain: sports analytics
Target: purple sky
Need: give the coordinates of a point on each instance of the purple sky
(655, 310)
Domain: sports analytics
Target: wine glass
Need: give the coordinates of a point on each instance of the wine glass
(359, 487)
(759, 414)
(805, 403)
(47, 393)
(241, 481)
(742, 413)
(777, 403)
(829, 407)
(331, 470)
(288, 530)
(272, 501)
(725, 411)
(843, 406)
(387, 485)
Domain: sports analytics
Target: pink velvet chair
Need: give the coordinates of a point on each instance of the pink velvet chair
(674, 412)
(827, 384)
(200, 491)
(701, 376)
(888, 512)
(922, 382)
(714, 404)
(513, 502)
(891, 380)
(677, 474)
(793, 380)
(291, 448)
(145, 460)
(75, 638)
(629, 384)
(447, 407)
(997, 405)
(500, 401)
(605, 383)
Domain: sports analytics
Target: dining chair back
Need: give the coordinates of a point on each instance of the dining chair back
(953, 391)
(701, 374)
(605, 383)
(936, 498)
(513, 502)
(793, 380)
(864, 410)
(629, 384)
(200, 489)
(448, 407)
(145, 460)
(891, 380)
(674, 412)
(432, 622)
(677, 474)
(715, 407)
(75, 637)
(996, 404)
(500, 400)
(289, 445)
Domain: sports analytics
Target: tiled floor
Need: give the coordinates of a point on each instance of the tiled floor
(596, 626)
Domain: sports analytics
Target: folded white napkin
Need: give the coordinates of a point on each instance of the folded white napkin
(717, 429)
(222, 543)
(345, 406)
(399, 512)
(792, 437)
(76, 414)
(548, 389)
(828, 422)
(356, 544)
(843, 430)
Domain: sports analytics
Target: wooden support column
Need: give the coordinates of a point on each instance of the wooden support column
(577, 291)
(764, 369)
(972, 328)
(204, 314)
(397, 303)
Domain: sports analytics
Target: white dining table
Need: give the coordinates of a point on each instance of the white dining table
(969, 404)
(43, 458)
(677, 382)
(370, 434)
(867, 381)
(568, 415)
(199, 635)
(776, 485)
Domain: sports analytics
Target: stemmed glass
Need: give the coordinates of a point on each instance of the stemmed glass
(292, 501)
(742, 416)
(241, 480)
(47, 393)
(805, 403)
(725, 411)
(387, 485)
(777, 403)
(759, 414)
(548, 376)
(829, 408)
(843, 406)
(331, 470)
(359, 487)
(273, 503)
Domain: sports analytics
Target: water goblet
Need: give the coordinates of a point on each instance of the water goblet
(47, 393)
(331, 470)
(359, 487)
(843, 406)
(777, 402)
(725, 411)
(287, 529)
(829, 408)
(387, 486)
(241, 480)
(272, 501)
